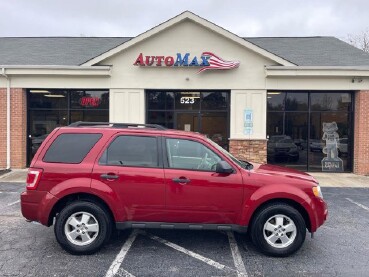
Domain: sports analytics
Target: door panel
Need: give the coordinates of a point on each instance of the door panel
(140, 191)
(205, 196)
(132, 168)
(187, 121)
(208, 197)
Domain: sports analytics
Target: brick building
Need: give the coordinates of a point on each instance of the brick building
(301, 102)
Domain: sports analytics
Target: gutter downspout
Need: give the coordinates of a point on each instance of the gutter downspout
(7, 118)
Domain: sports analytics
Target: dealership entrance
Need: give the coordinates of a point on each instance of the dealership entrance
(204, 111)
(310, 130)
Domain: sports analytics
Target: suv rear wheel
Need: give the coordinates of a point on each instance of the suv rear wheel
(278, 230)
(82, 227)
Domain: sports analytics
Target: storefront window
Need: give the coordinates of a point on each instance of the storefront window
(307, 129)
(206, 112)
(51, 108)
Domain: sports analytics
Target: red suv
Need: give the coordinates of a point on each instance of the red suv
(89, 178)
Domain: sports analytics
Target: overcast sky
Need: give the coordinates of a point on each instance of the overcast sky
(130, 18)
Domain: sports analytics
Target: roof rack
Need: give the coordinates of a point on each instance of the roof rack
(116, 125)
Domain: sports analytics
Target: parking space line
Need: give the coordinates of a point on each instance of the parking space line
(358, 204)
(13, 203)
(114, 267)
(188, 252)
(124, 273)
(237, 258)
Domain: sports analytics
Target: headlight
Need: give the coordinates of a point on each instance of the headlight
(317, 192)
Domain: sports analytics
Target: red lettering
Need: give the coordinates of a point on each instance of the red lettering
(159, 59)
(87, 101)
(139, 60)
(147, 60)
(169, 61)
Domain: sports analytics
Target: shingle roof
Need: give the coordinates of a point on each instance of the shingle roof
(313, 51)
(54, 50)
(303, 51)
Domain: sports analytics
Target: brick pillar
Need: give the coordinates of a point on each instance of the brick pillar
(361, 133)
(2, 127)
(18, 127)
(253, 150)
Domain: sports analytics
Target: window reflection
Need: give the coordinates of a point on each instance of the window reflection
(298, 117)
(330, 101)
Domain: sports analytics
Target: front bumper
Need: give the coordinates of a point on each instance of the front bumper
(320, 213)
(37, 205)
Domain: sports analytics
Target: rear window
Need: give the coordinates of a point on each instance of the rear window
(71, 148)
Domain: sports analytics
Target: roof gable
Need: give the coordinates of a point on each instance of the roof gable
(188, 16)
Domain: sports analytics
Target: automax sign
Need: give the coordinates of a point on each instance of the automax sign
(206, 61)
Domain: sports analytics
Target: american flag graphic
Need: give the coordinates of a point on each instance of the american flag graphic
(218, 63)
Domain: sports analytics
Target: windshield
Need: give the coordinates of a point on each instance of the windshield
(243, 164)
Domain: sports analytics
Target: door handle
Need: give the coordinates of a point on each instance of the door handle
(109, 176)
(181, 180)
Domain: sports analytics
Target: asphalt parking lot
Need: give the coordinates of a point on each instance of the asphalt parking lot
(339, 248)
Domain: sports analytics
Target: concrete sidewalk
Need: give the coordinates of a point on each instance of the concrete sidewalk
(342, 180)
(14, 176)
(325, 179)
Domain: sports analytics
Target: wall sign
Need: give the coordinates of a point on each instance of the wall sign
(88, 101)
(206, 61)
(248, 119)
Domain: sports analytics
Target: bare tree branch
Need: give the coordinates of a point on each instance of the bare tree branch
(360, 40)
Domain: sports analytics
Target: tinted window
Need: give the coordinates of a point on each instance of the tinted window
(132, 151)
(48, 99)
(214, 101)
(89, 99)
(70, 148)
(187, 100)
(276, 100)
(296, 101)
(331, 101)
(187, 154)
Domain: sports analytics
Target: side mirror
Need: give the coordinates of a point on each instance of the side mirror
(223, 167)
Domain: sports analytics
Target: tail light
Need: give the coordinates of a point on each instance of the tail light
(33, 178)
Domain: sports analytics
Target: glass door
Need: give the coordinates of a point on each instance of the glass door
(187, 121)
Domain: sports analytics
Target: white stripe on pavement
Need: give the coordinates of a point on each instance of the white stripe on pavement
(114, 267)
(194, 255)
(188, 252)
(358, 204)
(10, 204)
(124, 273)
(237, 258)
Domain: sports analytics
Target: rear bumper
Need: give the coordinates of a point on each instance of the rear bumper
(37, 205)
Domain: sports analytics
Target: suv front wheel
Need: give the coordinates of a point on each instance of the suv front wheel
(82, 227)
(278, 230)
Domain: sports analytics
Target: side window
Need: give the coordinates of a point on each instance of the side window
(188, 154)
(70, 148)
(132, 151)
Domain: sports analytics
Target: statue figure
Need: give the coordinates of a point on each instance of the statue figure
(331, 162)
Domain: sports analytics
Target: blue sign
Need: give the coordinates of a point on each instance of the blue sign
(248, 124)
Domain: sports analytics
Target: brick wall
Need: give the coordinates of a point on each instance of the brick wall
(249, 150)
(361, 133)
(18, 127)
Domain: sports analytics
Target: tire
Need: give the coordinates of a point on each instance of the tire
(82, 228)
(278, 241)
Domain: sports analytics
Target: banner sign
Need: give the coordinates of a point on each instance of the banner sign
(206, 61)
